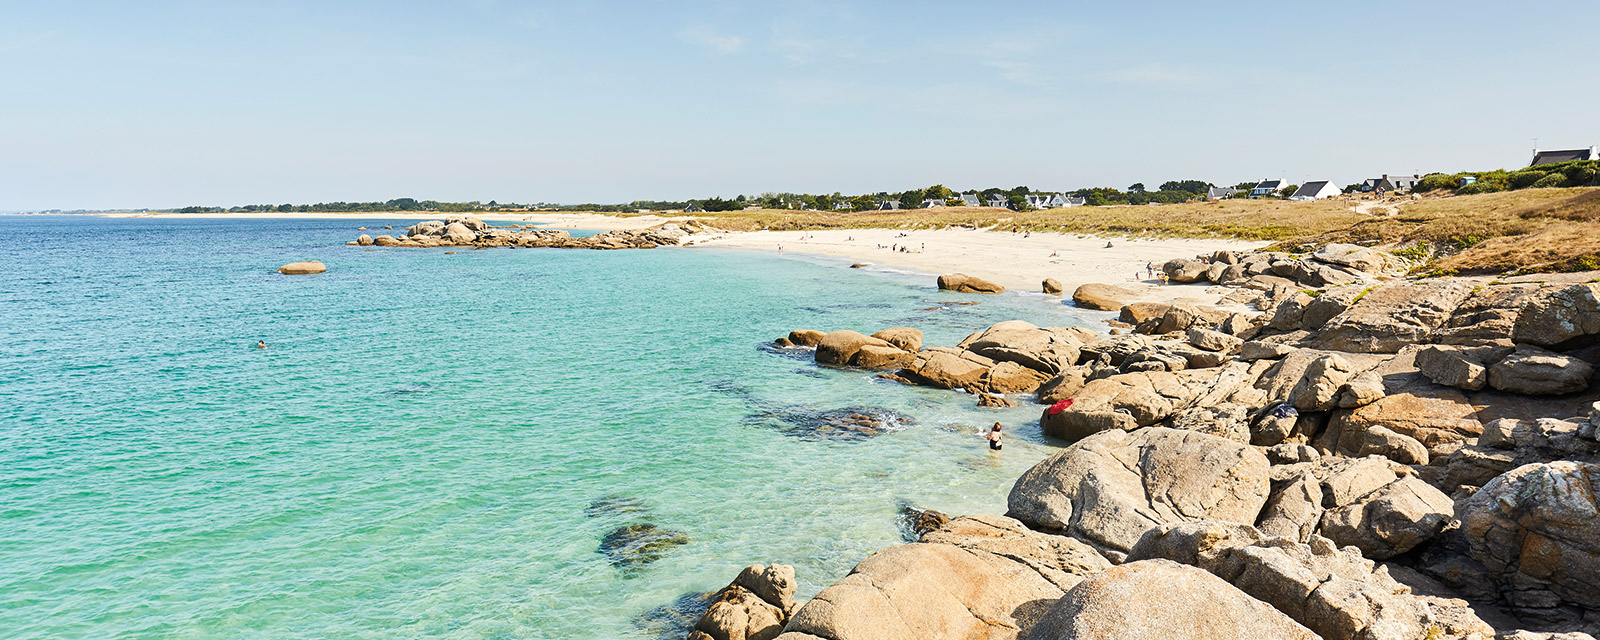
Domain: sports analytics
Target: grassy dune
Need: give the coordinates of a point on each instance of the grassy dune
(1530, 230)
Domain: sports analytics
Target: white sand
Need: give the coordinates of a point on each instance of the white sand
(1018, 262)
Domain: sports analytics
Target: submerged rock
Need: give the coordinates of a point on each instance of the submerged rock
(635, 545)
(676, 619)
(614, 505)
(849, 423)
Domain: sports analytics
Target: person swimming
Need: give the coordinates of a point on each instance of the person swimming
(994, 437)
(261, 344)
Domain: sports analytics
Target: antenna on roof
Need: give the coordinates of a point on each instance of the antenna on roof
(1535, 146)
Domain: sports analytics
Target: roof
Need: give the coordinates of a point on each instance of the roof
(1220, 192)
(1554, 156)
(1311, 189)
(1270, 184)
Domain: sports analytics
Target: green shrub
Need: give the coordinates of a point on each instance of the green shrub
(1435, 182)
(1526, 178)
(1580, 174)
(1553, 180)
(1483, 185)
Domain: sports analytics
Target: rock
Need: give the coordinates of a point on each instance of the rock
(1051, 286)
(860, 265)
(905, 338)
(1440, 418)
(1110, 488)
(1010, 377)
(1566, 317)
(1290, 454)
(1541, 440)
(755, 606)
(1399, 448)
(1328, 305)
(967, 284)
(839, 347)
(1361, 390)
(1214, 340)
(1046, 350)
(1453, 367)
(1231, 421)
(364, 240)
(1161, 598)
(1104, 297)
(1334, 592)
(1534, 371)
(1260, 350)
(1373, 504)
(806, 337)
(947, 368)
(1291, 312)
(1386, 319)
(1217, 272)
(1319, 389)
(880, 357)
(302, 268)
(1391, 520)
(1138, 312)
(781, 342)
(385, 241)
(1357, 257)
(459, 233)
(426, 228)
(1535, 528)
(1244, 326)
(1061, 560)
(994, 401)
(1184, 270)
(1063, 386)
(1489, 314)
(635, 545)
(1180, 317)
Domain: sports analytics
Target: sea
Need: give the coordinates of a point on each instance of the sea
(464, 444)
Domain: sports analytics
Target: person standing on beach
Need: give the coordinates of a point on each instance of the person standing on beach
(994, 437)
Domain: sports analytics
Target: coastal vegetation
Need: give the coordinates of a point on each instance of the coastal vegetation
(1578, 173)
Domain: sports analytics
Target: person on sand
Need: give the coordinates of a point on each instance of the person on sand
(994, 437)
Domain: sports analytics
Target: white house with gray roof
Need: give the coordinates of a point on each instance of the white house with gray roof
(1269, 187)
(970, 200)
(1555, 156)
(1315, 190)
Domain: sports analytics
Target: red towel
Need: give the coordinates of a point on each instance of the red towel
(1060, 406)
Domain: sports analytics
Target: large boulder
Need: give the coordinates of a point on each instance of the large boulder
(426, 228)
(1110, 488)
(1051, 286)
(1212, 340)
(1162, 599)
(302, 268)
(1372, 503)
(1063, 386)
(1441, 418)
(459, 233)
(364, 240)
(978, 577)
(1318, 389)
(947, 368)
(881, 357)
(1459, 366)
(1331, 590)
(1357, 257)
(1137, 313)
(839, 347)
(1386, 319)
(1537, 528)
(755, 606)
(963, 283)
(1010, 377)
(806, 337)
(1184, 270)
(1103, 297)
(1535, 371)
(905, 338)
(1329, 305)
(1047, 350)
(1560, 318)
(1126, 402)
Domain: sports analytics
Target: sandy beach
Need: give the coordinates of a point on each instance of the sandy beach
(1019, 262)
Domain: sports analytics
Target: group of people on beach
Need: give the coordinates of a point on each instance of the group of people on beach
(1152, 273)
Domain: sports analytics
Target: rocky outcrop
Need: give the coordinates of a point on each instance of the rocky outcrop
(1103, 297)
(1046, 350)
(1373, 504)
(1051, 286)
(806, 337)
(1568, 317)
(903, 338)
(1161, 598)
(302, 268)
(1333, 591)
(1110, 488)
(462, 231)
(755, 606)
(962, 283)
(1535, 371)
(1387, 319)
(1535, 528)
(839, 348)
(977, 577)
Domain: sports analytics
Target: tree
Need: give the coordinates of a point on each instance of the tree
(1019, 202)
(1196, 187)
(1137, 187)
(938, 191)
(1245, 186)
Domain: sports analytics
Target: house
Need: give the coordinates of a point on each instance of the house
(1000, 201)
(888, 205)
(694, 207)
(1268, 187)
(843, 204)
(1037, 202)
(1218, 193)
(1554, 156)
(1064, 200)
(933, 202)
(1391, 183)
(970, 200)
(1315, 190)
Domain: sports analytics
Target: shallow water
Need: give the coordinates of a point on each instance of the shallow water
(421, 449)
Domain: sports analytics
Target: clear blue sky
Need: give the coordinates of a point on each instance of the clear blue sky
(160, 104)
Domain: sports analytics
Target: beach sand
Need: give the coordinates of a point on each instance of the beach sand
(1018, 262)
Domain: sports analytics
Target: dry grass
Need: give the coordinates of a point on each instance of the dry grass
(1530, 230)
(1244, 219)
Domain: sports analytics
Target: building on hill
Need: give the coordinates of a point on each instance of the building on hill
(933, 202)
(1555, 156)
(970, 200)
(1391, 183)
(843, 205)
(888, 205)
(1218, 193)
(694, 207)
(1269, 187)
(1315, 190)
(1063, 200)
(1000, 201)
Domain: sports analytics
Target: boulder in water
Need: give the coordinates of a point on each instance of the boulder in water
(635, 545)
(963, 283)
(302, 268)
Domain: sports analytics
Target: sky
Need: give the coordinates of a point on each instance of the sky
(165, 104)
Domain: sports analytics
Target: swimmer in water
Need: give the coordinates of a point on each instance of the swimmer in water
(261, 344)
(994, 437)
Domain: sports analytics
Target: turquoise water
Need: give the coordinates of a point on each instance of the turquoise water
(415, 453)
